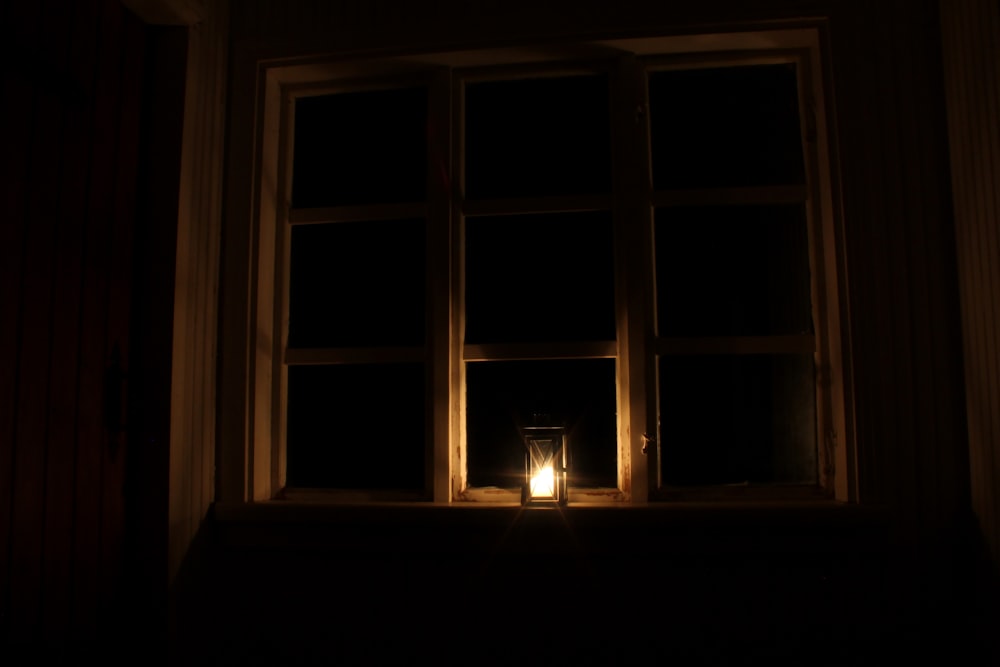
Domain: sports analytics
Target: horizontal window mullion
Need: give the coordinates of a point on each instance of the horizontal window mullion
(358, 213)
(354, 355)
(527, 351)
(526, 205)
(793, 344)
(779, 194)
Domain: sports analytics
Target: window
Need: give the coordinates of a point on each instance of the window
(636, 246)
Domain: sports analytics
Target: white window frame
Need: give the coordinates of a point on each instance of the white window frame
(631, 202)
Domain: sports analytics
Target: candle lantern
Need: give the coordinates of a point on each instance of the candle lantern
(545, 465)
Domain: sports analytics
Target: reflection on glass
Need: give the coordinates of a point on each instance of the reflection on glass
(356, 427)
(502, 397)
(732, 419)
(531, 278)
(360, 148)
(732, 271)
(725, 127)
(357, 284)
(537, 137)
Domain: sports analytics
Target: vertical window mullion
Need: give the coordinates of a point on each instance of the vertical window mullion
(439, 286)
(633, 230)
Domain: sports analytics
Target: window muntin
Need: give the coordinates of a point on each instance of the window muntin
(539, 276)
(354, 381)
(457, 353)
(734, 277)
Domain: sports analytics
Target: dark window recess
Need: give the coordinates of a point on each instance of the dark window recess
(360, 148)
(537, 137)
(502, 396)
(356, 427)
(539, 278)
(357, 284)
(725, 127)
(732, 419)
(732, 271)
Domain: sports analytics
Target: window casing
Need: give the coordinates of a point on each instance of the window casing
(467, 359)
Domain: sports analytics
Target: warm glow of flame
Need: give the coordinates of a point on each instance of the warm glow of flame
(543, 483)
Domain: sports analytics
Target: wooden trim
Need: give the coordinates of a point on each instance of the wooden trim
(317, 216)
(780, 194)
(354, 355)
(194, 375)
(170, 12)
(635, 291)
(799, 344)
(556, 350)
(439, 287)
(744, 492)
(459, 441)
(562, 66)
(718, 59)
(347, 496)
(577, 204)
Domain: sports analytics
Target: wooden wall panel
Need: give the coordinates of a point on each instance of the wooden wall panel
(196, 298)
(67, 197)
(899, 249)
(971, 44)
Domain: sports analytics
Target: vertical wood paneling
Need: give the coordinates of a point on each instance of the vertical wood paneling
(114, 455)
(13, 190)
(193, 395)
(75, 151)
(30, 434)
(971, 45)
(61, 240)
(94, 332)
(900, 263)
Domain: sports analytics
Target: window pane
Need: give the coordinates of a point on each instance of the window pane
(732, 419)
(736, 271)
(534, 137)
(725, 127)
(357, 284)
(539, 278)
(360, 148)
(356, 426)
(505, 395)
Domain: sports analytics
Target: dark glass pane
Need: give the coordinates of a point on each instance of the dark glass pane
(725, 127)
(356, 427)
(502, 396)
(732, 419)
(539, 278)
(732, 271)
(360, 148)
(534, 137)
(357, 284)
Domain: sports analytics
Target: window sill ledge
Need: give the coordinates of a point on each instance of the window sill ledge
(415, 529)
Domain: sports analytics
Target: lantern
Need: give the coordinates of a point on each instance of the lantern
(545, 465)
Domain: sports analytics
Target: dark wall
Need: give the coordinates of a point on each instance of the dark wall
(971, 41)
(896, 254)
(72, 76)
(857, 591)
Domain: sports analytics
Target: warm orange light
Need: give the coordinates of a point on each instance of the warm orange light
(543, 483)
